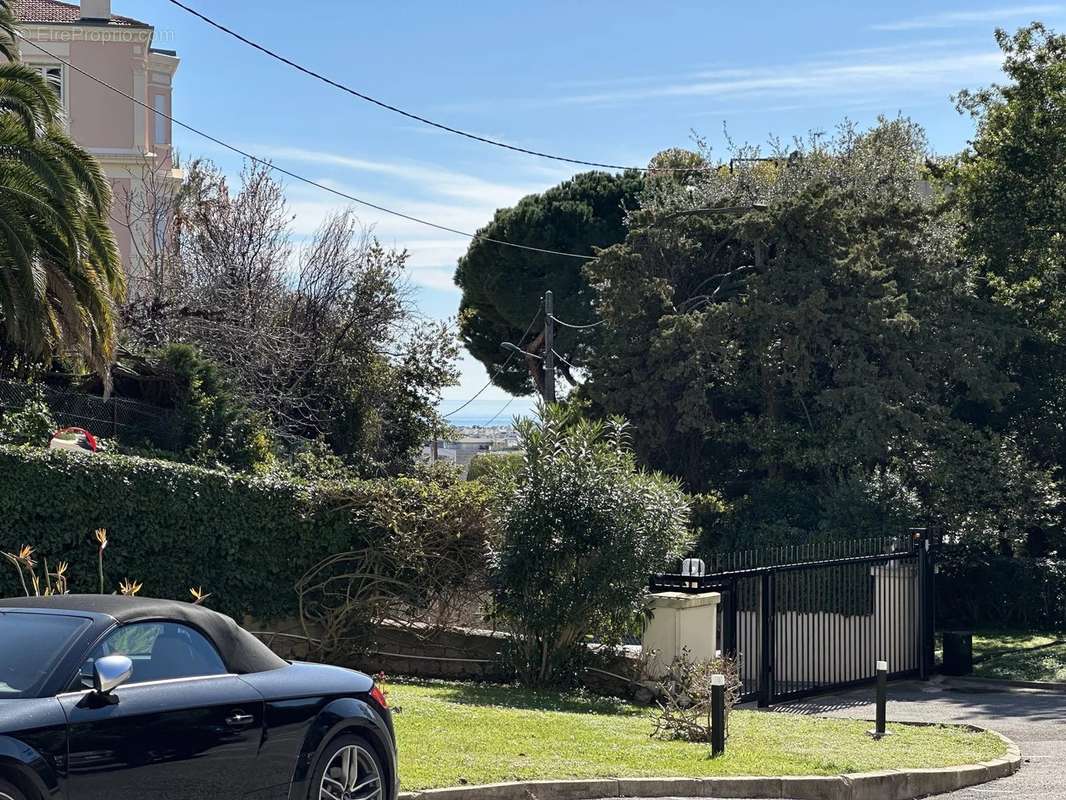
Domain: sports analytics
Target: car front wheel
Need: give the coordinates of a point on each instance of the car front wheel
(348, 769)
(9, 792)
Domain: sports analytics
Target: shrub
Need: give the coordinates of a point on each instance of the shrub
(581, 528)
(217, 428)
(485, 466)
(33, 423)
(245, 539)
(683, 697)
(315, 461)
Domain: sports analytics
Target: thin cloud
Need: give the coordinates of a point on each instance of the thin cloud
(921, 45)
(432, 180)
(439, 278)
(810, 79)
(951, 19)
(432, 254)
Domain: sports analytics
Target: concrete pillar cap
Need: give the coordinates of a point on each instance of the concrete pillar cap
(682, 600)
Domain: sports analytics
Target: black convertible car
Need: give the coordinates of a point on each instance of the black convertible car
(120, 697)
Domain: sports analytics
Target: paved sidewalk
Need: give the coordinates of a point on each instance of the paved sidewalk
(1035, 720)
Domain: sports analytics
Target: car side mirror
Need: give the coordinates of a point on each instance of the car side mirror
(110, 672)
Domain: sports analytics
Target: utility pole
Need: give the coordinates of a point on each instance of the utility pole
(549, 345)
(543, 375)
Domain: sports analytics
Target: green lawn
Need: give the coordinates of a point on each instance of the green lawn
(452, 734)
(1020, 656)
(1017, 655)
(993, 642)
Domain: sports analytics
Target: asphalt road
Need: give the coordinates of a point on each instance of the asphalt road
(1036, 721)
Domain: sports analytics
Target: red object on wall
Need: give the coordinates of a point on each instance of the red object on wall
(89, 438)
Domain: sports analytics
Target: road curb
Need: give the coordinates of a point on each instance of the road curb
(885, 785)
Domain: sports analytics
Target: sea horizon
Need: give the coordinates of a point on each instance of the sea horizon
(484, 412)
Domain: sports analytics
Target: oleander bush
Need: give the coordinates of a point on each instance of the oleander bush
(580, 527)
(248, 540)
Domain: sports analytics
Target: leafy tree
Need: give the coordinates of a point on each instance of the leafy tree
(216, 427)
(581, 525)
(60, 272)
(1010, 180)
(321, 340)
(1008, 187)
(813, 357)
(502, 286)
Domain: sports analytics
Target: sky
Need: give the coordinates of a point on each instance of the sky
(609, 81)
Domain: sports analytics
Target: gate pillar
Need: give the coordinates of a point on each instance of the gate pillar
(677, 622)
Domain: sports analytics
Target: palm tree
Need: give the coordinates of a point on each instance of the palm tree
(60, 271)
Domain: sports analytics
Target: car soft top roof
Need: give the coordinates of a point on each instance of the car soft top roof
(241, 652)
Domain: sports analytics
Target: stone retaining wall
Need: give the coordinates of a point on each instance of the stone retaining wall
(454, 653)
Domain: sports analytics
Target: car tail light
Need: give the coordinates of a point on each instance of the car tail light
(379, 696)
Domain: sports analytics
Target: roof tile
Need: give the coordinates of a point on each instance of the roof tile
(56, 12)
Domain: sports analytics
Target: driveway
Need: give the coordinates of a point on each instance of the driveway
(1035, 720)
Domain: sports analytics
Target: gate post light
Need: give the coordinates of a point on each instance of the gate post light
(717, 715)
(879, 731)
(693, 568)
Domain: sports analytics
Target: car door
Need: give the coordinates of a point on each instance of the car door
(181, 728)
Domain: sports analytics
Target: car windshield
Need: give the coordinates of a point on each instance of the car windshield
(30, 647)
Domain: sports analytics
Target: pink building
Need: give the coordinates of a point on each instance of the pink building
(131, 142)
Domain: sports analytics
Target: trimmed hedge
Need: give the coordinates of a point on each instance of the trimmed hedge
(246, 540)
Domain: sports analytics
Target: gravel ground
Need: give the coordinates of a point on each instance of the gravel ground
(1035, 720)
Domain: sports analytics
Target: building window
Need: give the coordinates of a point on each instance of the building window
(160, 120)
(53, 74)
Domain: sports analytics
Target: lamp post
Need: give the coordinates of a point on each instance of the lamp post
(510, 347)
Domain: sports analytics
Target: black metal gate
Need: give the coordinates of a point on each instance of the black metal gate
(803, 620)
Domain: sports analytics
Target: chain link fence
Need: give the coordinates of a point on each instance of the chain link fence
(129, 421)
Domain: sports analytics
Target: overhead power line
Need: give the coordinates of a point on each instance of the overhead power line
(294, 175)
(498, 413)
(567, 363)
(410, 115)
(499, 370)
(578, 327)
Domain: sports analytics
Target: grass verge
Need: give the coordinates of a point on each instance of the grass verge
(1020, 657)
(1017, 655)
(452, 734)
(991, 643)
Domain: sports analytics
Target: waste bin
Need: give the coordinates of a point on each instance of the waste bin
(958, 653)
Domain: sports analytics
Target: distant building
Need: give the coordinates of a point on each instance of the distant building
(131, 141)
(459, 451)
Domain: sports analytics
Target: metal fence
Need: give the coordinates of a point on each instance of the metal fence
(804, 620)
(127, 420)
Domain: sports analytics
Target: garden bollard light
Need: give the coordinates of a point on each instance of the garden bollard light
(879, 731)
(717, 715)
